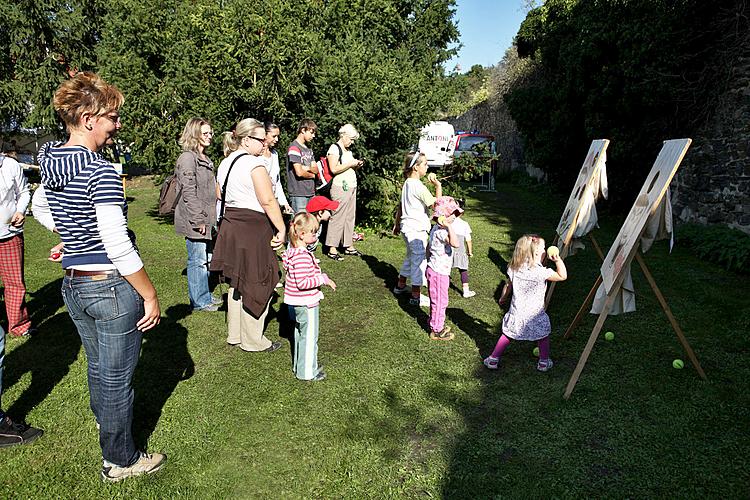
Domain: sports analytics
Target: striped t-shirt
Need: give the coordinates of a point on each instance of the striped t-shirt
(76, 180)
(303, 278)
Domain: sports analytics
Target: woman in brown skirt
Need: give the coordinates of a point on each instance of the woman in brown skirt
(344, 190)
(250, 227)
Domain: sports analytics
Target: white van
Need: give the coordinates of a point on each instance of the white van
(435, 141)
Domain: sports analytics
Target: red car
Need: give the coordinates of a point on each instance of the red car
(464, 142)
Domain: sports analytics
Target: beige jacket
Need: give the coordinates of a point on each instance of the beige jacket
(197, 203)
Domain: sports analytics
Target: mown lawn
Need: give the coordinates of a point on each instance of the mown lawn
(400, 415)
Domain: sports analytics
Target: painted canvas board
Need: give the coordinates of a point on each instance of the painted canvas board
(581, 189)
(646, 203)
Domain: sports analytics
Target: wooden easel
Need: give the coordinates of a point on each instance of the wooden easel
(612, 294)
(602, 145)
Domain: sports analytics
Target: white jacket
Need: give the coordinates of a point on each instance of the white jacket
(14, 195)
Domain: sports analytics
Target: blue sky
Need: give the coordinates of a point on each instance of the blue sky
(487, 29)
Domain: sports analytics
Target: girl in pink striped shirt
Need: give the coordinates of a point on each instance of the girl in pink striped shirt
(302, 295)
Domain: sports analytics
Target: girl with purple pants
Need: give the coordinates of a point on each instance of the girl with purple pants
(442, 243)
(526, 319)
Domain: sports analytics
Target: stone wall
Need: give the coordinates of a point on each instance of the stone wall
(713, 183)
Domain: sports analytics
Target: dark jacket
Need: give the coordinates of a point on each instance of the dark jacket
(197, 203)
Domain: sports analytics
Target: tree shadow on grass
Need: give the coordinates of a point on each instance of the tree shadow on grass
(47, 355)
(165, 362)
(389, 275)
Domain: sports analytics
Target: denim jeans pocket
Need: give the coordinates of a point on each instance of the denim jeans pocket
(108, 299)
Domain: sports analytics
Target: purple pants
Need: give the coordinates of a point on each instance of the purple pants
(438, 285)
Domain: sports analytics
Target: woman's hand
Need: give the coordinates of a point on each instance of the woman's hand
(17, 219)
(201, 229)
(152, 314)
(55, 253)
(332, 284)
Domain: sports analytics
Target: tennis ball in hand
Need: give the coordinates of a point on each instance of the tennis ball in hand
(441, 220)
(431, 177)
(609, 336)
(678, 364)
(553, 251)
(536, 352)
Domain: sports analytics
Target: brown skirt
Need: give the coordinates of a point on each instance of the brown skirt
(244, 256)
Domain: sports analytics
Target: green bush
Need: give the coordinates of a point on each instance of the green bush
(722, 245)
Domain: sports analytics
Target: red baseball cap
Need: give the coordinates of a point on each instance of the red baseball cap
(318, 203)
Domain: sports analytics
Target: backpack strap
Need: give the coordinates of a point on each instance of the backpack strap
(224, 187)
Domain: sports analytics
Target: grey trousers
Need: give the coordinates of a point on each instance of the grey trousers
(341, 224)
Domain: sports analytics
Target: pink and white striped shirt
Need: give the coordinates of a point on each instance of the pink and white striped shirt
(303, 278)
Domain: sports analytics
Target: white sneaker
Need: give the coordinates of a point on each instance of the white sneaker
(399, 291)
(147, 463)
(422, 301)
(469, 293)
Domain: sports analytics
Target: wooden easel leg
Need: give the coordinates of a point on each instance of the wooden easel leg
(551, 288)
(589, 346)
(584, 306)
(670, 316)
(597, 248)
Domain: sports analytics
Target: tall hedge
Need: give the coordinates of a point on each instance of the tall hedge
(634, 71)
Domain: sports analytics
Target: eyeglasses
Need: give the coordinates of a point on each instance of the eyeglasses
(113, 118)
(262, 141)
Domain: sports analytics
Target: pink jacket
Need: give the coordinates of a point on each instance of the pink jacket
(303, 278)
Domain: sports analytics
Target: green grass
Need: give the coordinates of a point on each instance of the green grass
(400, 415)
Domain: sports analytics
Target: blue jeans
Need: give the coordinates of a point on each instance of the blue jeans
(299, 203)
(105, 313)
(197, 273)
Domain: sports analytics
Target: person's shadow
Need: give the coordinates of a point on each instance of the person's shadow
(164, 363)
(47, 354)
(389, 274)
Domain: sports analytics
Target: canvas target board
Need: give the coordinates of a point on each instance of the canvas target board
(589, 172)
(647, 201)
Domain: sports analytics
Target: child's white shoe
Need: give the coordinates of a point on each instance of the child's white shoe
(544, 365)
(469, 293)
(491, 362)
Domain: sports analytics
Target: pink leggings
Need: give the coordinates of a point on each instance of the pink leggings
(503, 342)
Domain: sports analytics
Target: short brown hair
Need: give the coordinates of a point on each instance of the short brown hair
(86, 92)
(308, 124)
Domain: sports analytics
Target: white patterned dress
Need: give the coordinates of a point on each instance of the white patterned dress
(526, 319)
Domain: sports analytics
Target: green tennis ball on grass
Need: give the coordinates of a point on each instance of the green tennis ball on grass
(536, 352)
(609, 336)
(678, 364)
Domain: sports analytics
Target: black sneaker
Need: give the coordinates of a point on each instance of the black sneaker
(12, 434)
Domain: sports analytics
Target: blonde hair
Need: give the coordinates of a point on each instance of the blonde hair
(303, 221)
(88, 93)
(244, 128)
(348, 129)
(523, 255)
(410, 164)
(192, 133)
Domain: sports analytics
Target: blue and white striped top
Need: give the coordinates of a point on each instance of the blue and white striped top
(77, 180)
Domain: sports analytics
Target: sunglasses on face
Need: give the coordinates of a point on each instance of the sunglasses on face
(262, 141)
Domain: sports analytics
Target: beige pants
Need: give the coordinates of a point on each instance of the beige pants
(341, 225)
(243, 328)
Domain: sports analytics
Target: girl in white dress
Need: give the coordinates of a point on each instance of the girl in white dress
(526, 319)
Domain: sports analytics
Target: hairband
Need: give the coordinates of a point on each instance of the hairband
(414, 159)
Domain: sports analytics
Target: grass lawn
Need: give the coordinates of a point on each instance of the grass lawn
(400, 415)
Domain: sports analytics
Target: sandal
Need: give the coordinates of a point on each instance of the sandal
(352, 251)
(335, 256)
